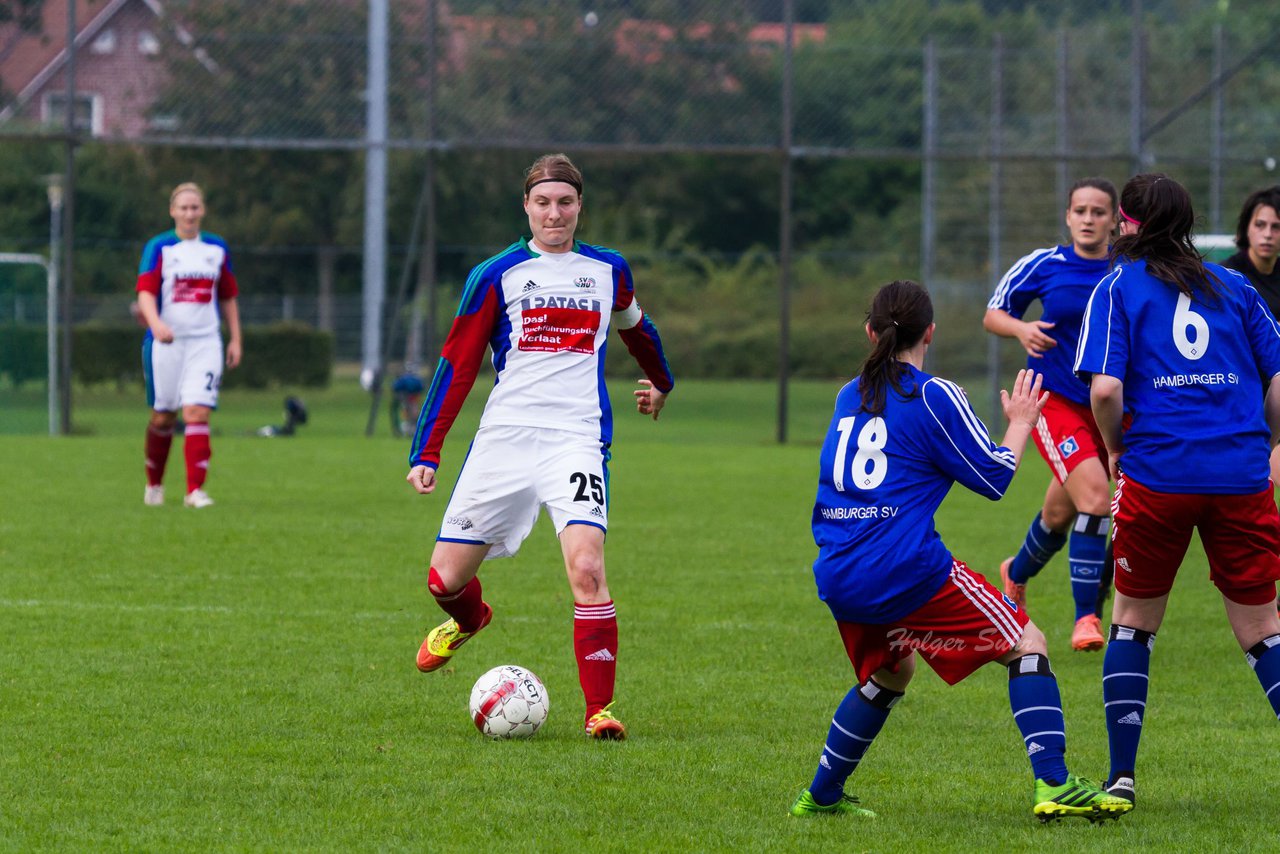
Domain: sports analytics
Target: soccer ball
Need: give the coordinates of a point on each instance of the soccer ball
(509, 702)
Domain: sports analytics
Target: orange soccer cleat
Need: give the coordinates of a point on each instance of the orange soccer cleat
(1087, 635)
(1016, 592)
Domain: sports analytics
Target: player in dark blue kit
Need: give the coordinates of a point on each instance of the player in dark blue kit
(1185, 348)
(1077, 503)
(898, 440)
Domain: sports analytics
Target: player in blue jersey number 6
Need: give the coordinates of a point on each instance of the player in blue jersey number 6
(544, 306)
(1185, 347)
(898, 440)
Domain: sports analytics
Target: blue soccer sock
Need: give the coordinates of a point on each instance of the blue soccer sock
(1125, 669)
(1086, 553)
(1037, 549)
(1037, 710)
(856, 723)
(1264, 658)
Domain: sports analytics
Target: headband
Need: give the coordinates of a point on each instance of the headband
(1124, 216)
(571, 183)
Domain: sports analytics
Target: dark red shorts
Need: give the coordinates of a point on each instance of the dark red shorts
(1151, 532)
(1067, 435)
(965, 625)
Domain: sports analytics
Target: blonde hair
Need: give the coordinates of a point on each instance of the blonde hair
(189, 186)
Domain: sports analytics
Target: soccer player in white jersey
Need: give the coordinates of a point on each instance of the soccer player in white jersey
(899, 439)
(544, 305)
(186, 288)
(1078, 500)
(1186, 348)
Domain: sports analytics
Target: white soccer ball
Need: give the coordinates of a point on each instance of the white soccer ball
(509, 702)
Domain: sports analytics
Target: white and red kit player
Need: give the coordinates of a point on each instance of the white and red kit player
(185, 290)
(544, 306)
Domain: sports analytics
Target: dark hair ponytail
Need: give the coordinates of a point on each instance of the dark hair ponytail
(901, 312)
(1161, 209)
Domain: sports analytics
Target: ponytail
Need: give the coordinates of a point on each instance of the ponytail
(900, 314)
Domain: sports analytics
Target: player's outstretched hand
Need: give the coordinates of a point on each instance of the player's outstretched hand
(1026, 400)
(233, 354)
(1035, 340)
(423, 479)
(649, 401)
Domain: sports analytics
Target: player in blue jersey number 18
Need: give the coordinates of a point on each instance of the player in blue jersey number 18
(898, 440)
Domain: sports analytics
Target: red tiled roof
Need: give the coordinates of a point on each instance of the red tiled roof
(25, 55)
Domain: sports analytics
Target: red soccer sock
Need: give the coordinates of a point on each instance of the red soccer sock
(157, 453)
(465, 606)
(196, 449)
(595, 645)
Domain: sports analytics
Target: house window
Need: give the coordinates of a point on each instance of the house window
(165, 122)
(148, 44)
(88, 111)
(104, 43)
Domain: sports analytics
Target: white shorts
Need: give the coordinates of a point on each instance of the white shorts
(186, 372)
(512, 472)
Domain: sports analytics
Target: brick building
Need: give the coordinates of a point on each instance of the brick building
(117, 67)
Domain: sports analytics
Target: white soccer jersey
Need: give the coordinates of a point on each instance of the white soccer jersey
(546, 316)
(188, 277)
(550, 365)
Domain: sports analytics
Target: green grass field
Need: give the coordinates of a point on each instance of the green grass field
(242, 678)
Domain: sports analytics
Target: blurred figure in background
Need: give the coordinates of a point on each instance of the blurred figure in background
(1258, 239)
(186, 289)
(406, 401)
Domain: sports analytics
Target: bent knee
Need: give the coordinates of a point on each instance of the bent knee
(1032, 642)
(586, 578)
(1058, 518)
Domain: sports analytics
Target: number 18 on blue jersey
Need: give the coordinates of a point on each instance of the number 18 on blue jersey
(881, 479)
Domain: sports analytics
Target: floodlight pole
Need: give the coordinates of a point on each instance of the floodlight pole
(787, 179)
(67, 196)
(54, 188)
(375, 195)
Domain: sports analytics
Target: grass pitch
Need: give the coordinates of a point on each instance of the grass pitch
(241, 678)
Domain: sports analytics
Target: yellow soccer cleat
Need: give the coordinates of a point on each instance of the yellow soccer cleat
(1077, 797)
(443, 641)
(847, 805)
(604, 726)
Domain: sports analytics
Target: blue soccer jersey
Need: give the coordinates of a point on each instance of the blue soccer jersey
(1193, 373)
(1062, 281)
(882, 477)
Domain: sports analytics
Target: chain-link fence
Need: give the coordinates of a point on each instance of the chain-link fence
(932, 139)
